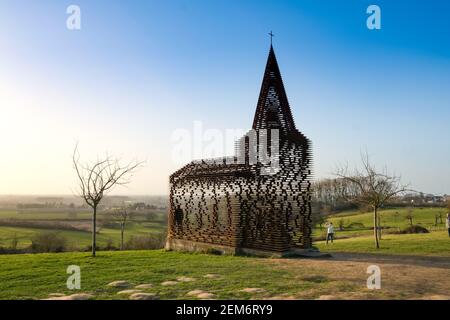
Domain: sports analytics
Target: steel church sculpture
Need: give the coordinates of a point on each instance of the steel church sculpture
(237, 205)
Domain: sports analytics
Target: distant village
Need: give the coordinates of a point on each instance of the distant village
(420, 198)
(134, 203)
(143, 203)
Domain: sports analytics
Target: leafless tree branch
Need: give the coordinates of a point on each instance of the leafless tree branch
(368, 187)
(98, 178)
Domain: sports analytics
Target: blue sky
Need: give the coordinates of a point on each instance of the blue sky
(138, 70)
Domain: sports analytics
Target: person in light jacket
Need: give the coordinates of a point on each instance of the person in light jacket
(330, 232)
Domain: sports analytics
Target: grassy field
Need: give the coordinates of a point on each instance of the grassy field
(77, 239)
(36, 276)
(436, 243)
(43, 215)
(391, 219)
(360, 237)
(40, 275)
(355, 237)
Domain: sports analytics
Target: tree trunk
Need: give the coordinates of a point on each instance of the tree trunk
(122, 227)
(94, 230)
(379, 226)
(375, 227)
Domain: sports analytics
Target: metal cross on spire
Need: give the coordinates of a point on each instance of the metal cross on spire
(271, 36)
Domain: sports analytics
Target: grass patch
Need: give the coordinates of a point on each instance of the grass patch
(36, 276)
(436, 243)
(77, 239)
(357, 224)
(315, 279)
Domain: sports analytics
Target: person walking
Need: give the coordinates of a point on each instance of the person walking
(330, 232)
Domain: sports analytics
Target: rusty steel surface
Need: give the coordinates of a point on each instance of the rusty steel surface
(231, 203)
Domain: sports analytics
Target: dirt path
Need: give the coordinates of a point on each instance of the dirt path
(431, 261)
(402, 277)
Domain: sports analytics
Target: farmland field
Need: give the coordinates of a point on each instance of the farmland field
(414, 266)
(74, 226)
(355, 236)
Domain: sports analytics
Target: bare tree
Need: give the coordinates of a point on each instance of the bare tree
(99, 177)
(121, 215)
(368, 187)
(380, 225)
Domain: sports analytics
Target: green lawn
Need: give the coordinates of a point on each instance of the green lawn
(436, 243)
(360, 238)
(391, 219)
(36, 276)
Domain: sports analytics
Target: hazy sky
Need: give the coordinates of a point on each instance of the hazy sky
(138, 70)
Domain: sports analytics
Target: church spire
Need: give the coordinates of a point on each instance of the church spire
(273, 109)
